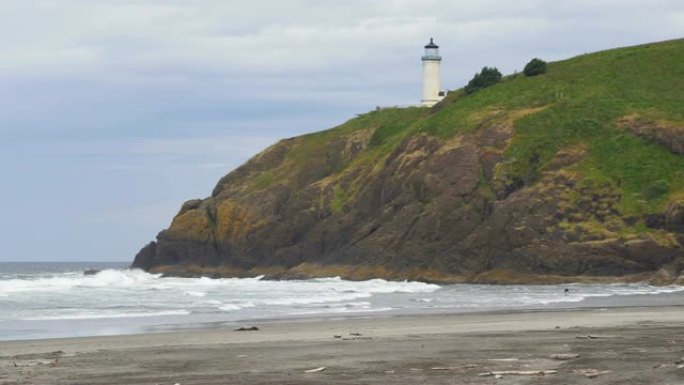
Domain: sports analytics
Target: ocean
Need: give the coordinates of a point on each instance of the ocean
(50, 300)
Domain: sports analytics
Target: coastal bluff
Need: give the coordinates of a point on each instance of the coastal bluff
(576, 175)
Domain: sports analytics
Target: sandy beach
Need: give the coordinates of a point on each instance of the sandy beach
(596, 346)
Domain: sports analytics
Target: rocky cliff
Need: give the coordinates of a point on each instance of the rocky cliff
(575, 175)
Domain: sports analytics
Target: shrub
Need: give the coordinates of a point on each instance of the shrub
(535, 67)
(487, 77)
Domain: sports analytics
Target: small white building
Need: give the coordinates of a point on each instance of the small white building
(432, 92)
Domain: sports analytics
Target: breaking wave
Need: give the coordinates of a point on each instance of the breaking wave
(102, 315)
(150, 300)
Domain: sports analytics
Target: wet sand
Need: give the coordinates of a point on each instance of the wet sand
(624, 346)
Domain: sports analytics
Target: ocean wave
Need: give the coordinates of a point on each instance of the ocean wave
(134, 278)
(314, 299)
(103, 315)
(69, 281)
(531, 296)
(341, 310)
(379, 285)
(135, 293)
(236, 306)
(195, 293)
(229, 307)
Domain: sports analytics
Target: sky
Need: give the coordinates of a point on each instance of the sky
(113, 113)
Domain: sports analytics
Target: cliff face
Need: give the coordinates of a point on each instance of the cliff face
(573, 175)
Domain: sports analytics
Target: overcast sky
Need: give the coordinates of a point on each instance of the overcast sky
(112, 113)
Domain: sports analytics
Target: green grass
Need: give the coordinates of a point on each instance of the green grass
(319, 155)
(339, 200)
(585, 96)
(397, 118)
(396, 122)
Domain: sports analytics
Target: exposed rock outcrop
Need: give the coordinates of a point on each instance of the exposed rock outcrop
(429, 211)
(667, 134)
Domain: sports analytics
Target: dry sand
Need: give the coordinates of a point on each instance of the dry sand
(625, 346)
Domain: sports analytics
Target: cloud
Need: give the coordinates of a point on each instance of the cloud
(114, 110)
(168, 38)
(354, 52)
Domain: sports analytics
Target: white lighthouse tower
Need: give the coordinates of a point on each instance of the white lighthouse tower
(431, 78)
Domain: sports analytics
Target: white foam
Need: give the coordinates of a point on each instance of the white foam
(236, 306)
(340, 310)
(423, 299)
(379, 285)
(105, 315)
(69, 281)
(314, 299)
(134, 293)
(229, 307)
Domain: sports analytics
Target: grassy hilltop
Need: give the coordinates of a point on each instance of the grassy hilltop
(571, 175)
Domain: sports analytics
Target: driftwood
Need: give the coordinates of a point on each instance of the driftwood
(244, 329)
(592, 373)
(322, 368)
(590, 337)
(563, 357)
(504, 359)
(518, 373)
(28, 363)
(464, 367)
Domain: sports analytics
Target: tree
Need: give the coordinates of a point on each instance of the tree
(487, 77)
(535, 67)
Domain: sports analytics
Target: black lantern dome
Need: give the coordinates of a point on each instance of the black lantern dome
(431, 44)
(431, 52)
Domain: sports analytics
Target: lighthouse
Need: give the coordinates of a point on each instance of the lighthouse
(431, 82)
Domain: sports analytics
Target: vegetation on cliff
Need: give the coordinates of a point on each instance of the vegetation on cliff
(575, 172)
(485, 78)
(535, 67)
